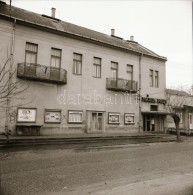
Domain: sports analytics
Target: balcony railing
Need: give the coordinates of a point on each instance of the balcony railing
(117, 84)
(41, 73)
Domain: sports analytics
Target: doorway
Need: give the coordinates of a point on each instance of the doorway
(97, 121)
(148, 123)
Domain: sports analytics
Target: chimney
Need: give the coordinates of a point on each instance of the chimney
(53, 12)
(131, 38)
(112, 32)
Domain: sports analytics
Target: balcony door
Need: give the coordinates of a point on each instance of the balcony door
(114, 74)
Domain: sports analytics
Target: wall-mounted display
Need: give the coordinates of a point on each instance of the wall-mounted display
(52, 116)
(75, 116)
(26, 115)
(129, 118)
(114, 118)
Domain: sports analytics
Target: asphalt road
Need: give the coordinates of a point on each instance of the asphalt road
(159, 168)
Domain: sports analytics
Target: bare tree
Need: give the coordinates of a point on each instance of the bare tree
(175, 103)
(11, 90)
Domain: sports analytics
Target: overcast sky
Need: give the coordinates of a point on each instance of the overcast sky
(165, 27)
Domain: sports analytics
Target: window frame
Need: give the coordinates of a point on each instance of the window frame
(75, 64)
(56, 57)
(95, 65)
(52, 110)
(31, 52)
(75, 111)
(156, 78)
(112, 68)
(129, 65)
(151, 80)
(129, 114)
(115, 114)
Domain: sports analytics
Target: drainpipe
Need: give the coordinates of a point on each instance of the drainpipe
(9, 81)
(139, 95)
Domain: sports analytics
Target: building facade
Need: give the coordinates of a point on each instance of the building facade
(77, 80)
(182, 104)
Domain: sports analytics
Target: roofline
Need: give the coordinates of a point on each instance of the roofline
(77, 36)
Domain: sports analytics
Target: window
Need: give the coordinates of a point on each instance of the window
(129, 118)
(56, 57)
(153, 107)
(151, 78)
(114, 118)
(31, 51)
(156, 79)
(114, 70)
(130, 72)
(75, 116)
(77, 64)
(52, 116)
(27, 115)
(97, 67)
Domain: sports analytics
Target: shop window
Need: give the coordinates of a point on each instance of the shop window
(52, 116)
(27, 115)
(114, 118)
(75, 116)
(153, 107)
(129, 118)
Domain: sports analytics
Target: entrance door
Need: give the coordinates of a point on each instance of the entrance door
(149, 123)
(190, 121)
(96, 121)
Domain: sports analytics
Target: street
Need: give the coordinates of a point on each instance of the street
(158, 168)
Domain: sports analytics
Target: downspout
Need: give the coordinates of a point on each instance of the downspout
(139, 95)
(9, 82)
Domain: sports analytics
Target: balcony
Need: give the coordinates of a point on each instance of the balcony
(121, 85)
(41, 73)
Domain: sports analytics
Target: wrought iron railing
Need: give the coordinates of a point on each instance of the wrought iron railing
(118, 84)
(41, 73)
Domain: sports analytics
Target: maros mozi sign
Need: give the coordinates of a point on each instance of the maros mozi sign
(153, 100)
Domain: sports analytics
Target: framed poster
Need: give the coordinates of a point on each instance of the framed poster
(75, 116)
(129, 118)
(114, 118)
(27, 115)
(52, 116)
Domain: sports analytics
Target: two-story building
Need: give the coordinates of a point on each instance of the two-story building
(78, 80)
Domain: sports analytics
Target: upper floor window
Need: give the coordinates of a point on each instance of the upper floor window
(31, 51)
(114, 70)
(130, 72)
(97, 67)
(154, 107)
(156, 79)
(56, 58)
(77, 63)
(151, 78)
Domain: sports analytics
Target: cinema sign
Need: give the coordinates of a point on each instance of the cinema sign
(153, 100)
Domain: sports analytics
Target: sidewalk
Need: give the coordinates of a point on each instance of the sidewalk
(91, 139)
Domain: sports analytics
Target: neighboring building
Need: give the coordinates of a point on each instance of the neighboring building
(181, 103)
(81, 81)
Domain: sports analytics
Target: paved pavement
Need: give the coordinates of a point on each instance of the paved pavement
(146, 168)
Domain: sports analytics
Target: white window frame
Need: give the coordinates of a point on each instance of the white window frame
(96, 66)
(54, 57)
(76, 63)
(75, 112)
(31, 52)
(130, 115)
(52, 112)
(110, 114)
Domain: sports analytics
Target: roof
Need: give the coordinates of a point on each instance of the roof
(57, 26)
(177, 92)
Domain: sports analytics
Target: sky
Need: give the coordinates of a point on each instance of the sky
(164, 27)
